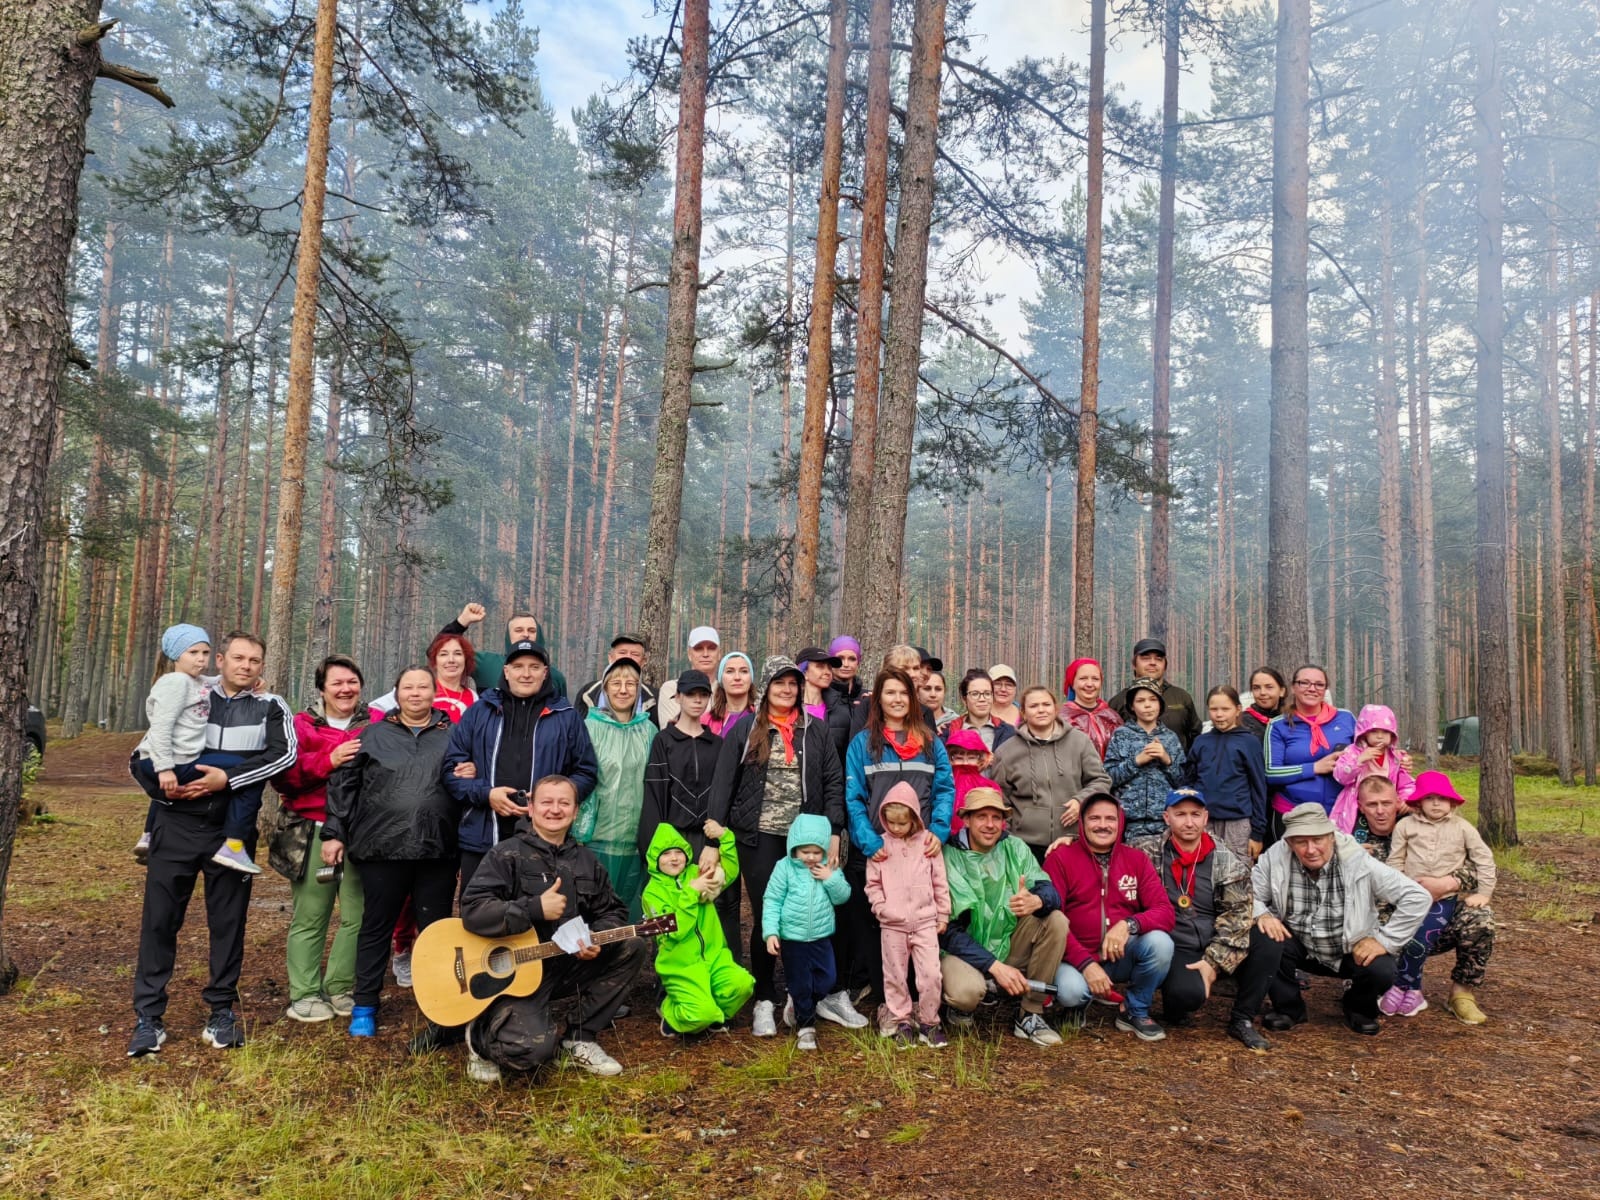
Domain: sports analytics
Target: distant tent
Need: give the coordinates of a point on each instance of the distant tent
(1461, 736)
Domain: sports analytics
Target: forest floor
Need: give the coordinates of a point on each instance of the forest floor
(1429, 1108)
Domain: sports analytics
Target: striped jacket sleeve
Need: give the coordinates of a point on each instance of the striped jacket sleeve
(279, 753)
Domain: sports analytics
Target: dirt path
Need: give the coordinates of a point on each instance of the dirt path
(1428, 1108)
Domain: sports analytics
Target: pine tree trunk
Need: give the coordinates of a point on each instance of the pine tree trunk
(1392, 676)
(302, 355)
(1586, 563)
(1089, 380)
(677, 379)
(258, 581)
(1161, 408)
(869, 315)
(599, 603)
(1557, 723)
(1497, 813)
(1425, 660)
(1288, 531)
(328, 539)
(216, 496)
(819, 347)
(1044, 575)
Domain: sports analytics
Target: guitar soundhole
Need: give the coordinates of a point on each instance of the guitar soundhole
(501, 961)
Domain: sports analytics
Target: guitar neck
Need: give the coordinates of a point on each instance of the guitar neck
(551, 950)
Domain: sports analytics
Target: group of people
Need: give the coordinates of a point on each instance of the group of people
(1060, 852)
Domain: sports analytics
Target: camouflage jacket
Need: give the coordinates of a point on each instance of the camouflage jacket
(1232, 900)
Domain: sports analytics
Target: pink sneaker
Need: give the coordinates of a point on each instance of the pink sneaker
(1389, 1003)
(1411, 1003)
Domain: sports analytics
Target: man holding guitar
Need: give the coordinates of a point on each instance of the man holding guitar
(537, 879)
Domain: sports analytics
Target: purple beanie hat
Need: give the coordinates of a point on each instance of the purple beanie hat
(845, 642)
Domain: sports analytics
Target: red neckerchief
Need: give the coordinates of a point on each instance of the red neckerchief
(1190, 862)
(907, 748)
(785, 727)
(1319, 740)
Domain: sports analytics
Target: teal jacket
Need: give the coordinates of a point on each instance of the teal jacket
(698, 940)
(797, 908)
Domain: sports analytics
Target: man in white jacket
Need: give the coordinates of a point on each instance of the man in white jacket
(1318, 892)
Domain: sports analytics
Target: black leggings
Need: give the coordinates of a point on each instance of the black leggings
(857, 940)
(755, 864)
(386, 884)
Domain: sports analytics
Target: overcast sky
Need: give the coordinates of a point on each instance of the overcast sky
(583, 46)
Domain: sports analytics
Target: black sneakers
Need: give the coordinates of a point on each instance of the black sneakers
(148, 1034)
(223, 1031)
(1242, 1030)
(1142, 1027)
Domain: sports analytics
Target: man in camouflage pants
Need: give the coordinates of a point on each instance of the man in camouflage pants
(1471, 930)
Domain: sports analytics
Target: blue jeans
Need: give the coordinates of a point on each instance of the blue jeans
(1408, 971)
(809, 972)
(1142, 967)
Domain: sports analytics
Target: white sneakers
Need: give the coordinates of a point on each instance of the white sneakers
(838, 1009)
(591, 1057)
(806, 1039)
(1031, 1027)
(401, 965)
(763, 1022)
(479, 1070)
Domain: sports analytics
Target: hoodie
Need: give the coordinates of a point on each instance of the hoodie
(677, 786)
(698, 941)
(1098, 891)
(1350, 770)
(1227, 767)
(908, 890)
(1041, 775)
(797, 907)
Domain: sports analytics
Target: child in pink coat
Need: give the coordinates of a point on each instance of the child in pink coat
(911, 899)
(1375, 751)
(968, 757)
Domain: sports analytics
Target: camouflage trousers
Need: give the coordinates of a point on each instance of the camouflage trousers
(1470, 934)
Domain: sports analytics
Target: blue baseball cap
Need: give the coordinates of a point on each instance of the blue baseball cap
(1179, 795)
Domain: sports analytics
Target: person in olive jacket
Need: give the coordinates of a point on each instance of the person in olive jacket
(388, 810)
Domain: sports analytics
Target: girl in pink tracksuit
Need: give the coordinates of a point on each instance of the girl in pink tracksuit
(911, 899)
(1374, 750)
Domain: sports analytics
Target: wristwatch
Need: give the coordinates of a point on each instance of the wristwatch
(1133, 925)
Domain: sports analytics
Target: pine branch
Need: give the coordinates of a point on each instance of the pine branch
(139, 81)
(90, 34)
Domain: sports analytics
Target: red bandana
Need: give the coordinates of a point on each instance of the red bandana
(1319, 740)
(908, 747)
(1190, 863)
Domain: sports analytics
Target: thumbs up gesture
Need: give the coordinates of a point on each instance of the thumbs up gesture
(553, 902)
(1023, 902)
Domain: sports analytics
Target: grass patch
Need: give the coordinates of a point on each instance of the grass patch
(1544, 804)
(1567, 906)
(60, 894)
(1518, 863)
(906, 1134)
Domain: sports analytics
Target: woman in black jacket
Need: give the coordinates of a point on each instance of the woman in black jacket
(389, 811)
(775, 764)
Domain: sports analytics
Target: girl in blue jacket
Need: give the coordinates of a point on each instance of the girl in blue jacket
(1226, 765)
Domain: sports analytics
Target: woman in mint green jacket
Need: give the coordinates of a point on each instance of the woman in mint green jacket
(608, 821)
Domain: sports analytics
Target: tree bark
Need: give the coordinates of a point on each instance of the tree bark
(677, 378)
(328, 540)
(1089, 379)
(1392, 677)
(1426, 661)
(1586, 564)
(302, 355)
(869, 313)
(891, 468)
(1497, 813)
(216, 495)
(1161, 407)
(819, 346)
(1288, 531)
(1557, 723)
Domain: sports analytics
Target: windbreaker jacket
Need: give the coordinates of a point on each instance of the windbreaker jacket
(560, 747)
(739, 787)
(506, 895)
(1349, 771)
(1094, 898)
(1227, 767)
(1368, 884)
(1039, 776)
(796, 907)
(1291, 765)
(907, 890)
(389, 802)
(867, 781)
(677, 786)
(258, 728)
(981, 882)
(304, 786)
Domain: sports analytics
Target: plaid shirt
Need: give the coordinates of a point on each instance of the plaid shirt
(1316, 911)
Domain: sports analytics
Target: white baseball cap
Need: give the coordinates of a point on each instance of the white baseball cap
(703, 633)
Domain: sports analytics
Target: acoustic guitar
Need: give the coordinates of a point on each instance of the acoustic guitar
(456, 975)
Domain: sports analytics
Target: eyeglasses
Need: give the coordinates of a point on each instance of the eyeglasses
(980, 695)
(1313, 684)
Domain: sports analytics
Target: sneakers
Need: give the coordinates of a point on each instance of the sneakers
(788, 1013)
(958, 1020)
(1412, 1003)
(838, 1009)
(933, 1037)
(148, 1034)
(1389, 1002)
(1465, 1009)
(400, 964)
(1243, 1031)
(480, 1070)
(342, 1003)
(905, 1036)
(141, 849)
(1142, 1025)
(238, 860)
(887, 1025)
(364, 1020)
(591, 1057)
(762, 1023)
(806, 1039)
(1031, 1027)
(310, 1010)
(222, 1031)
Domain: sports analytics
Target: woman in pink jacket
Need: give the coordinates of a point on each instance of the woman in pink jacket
(910, 897)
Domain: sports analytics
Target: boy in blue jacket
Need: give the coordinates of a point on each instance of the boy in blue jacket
(797, 920)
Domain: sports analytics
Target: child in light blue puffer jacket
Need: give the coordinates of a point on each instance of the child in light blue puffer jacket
(797, 920)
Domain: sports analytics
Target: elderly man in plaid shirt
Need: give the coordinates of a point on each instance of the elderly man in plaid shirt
(1318, 893)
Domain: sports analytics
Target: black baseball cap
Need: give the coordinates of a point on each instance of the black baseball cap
(524, 648)
(693, 681)
(1149, 646)
(626, 638)
(816, 654)
(932, 661)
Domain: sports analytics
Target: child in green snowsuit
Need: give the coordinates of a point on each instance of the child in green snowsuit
(705, 986)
